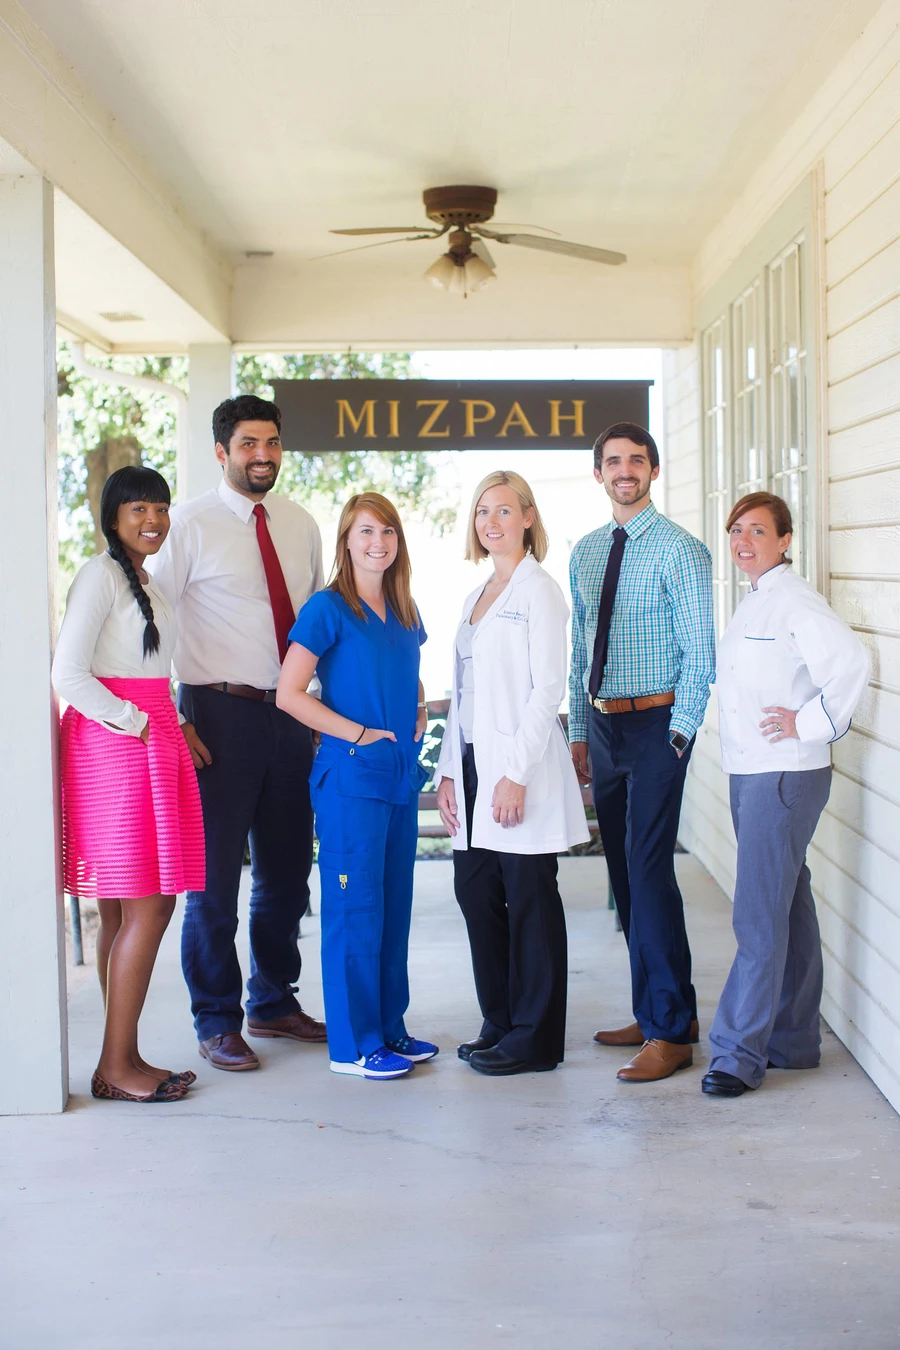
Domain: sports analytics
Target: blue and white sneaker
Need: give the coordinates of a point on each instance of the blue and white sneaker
(413, 1050)
(382, 1063)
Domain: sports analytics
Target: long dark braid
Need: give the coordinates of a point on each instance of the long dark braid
(117, 552)
(132, 484)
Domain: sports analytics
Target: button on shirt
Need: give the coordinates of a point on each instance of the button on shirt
(210, 568)
(785, 647)
(661, 637)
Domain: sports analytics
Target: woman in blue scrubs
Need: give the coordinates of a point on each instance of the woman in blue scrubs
(361, 636)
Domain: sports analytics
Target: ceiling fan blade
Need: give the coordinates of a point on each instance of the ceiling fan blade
(408, 239)
(507, 226)
(381, 229)
(480, 249)
(585, 251)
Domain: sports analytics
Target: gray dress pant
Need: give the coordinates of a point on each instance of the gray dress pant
(769, 1009)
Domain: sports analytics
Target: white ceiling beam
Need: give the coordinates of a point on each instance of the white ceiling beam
(50, 118)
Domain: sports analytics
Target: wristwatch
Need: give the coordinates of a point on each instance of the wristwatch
(678, 742)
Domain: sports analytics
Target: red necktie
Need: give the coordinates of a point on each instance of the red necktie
(279, 597)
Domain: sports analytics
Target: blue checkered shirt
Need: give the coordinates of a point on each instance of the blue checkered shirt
(661, 636)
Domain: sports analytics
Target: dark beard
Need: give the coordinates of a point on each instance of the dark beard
(259, 482)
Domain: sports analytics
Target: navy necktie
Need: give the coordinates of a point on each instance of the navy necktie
(607, 601)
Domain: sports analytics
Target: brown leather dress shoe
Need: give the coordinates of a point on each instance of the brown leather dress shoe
(632, 1035)
(229, 1051)
(297, 1026)
(655, 1060)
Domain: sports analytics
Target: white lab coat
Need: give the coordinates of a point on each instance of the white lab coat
(519, 657)
(785, 647)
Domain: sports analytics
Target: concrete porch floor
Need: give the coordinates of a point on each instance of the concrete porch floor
(295, 1208)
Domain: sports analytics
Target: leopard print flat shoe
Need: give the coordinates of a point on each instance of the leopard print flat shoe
(165, 1092)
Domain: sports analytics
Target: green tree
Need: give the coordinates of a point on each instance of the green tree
(102, 427)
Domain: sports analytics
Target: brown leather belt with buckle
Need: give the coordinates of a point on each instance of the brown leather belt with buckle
(620, 705)
(244, 691)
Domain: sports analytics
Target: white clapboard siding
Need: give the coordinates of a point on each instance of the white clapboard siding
(864, 290)
(871, 496)
(864, 343)
(851, 131)
(863, 397)
(874, 549)
(868, 445)
(861, 600)
(873, 229)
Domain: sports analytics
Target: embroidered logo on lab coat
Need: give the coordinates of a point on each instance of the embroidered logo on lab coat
(516, 615)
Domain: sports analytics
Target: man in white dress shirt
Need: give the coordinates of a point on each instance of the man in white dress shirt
(238, 564)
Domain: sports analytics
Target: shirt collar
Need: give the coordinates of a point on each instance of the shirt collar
(235, 501)
(770, 578)
(639, 523)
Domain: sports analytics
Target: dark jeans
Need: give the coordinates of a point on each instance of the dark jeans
(517, 932)
(258, 787)
(638, 782)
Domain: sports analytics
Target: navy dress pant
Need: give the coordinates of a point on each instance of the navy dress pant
(638, 783)
(256, 787)
(517, 932)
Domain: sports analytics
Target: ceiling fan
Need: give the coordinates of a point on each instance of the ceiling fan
(460, 213)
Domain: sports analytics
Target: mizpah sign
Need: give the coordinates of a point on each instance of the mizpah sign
(321, 415)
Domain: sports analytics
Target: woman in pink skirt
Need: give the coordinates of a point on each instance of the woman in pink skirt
(132, 825)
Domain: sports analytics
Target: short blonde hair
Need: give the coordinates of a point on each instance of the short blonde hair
(536, 539)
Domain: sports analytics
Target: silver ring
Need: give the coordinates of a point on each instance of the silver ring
(777, 727)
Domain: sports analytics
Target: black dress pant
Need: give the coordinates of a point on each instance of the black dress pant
(638, 783)
(517, 932)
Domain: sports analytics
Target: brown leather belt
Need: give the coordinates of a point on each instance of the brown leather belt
(620, 705)
(244, 691)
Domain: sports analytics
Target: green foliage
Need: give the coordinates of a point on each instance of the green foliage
(91, 412)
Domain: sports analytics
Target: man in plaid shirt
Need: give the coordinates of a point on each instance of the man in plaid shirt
(643, 658)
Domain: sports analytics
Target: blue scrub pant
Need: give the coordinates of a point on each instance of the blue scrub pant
(367, 852)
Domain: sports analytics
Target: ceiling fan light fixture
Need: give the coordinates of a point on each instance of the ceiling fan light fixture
(442, 273)
(477, 273)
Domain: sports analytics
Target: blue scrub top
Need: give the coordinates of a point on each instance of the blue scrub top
(369, 671)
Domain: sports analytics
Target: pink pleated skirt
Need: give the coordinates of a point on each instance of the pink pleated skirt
(132, 821)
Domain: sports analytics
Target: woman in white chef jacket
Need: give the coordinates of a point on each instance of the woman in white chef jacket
(789, 675)
(507, 789)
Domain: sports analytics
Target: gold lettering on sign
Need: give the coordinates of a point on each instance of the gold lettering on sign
(393, 417)
(439, 405)
(516, 418)
(470, 404)
(577, 417)
(367, 411)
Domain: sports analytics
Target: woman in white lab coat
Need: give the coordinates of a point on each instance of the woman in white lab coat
(789, 675)
(507, 791)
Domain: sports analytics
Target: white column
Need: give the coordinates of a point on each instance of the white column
(211, 381)
(34, 1077)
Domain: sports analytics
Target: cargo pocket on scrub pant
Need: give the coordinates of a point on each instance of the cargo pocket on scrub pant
(349, 894)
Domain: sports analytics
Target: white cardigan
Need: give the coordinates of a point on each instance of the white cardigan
(519, 656)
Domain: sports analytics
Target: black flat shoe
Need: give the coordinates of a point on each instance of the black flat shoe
(469, 1047)
(498, 1064)
(720, 1084)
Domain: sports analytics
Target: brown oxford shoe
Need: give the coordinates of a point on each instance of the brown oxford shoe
(632, 1035)
(297, 1026)
(229, 1051)
(656, 1060)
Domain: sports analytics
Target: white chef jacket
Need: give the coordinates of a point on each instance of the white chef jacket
(786, 647)
(211, 570)
(519, 662)
(103, 634)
